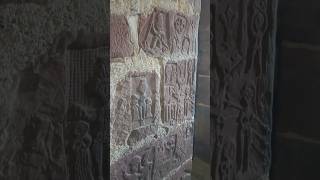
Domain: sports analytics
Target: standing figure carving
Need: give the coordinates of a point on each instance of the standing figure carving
(244, 134)
(136, 109)
(148, 108)
(82, 162)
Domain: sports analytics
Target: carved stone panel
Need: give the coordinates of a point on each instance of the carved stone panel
(243, 38)
(120, 42)
(165, 33)
(173, 150)
(138, 165)
(178, 105)
(156, 160)
(136, 108)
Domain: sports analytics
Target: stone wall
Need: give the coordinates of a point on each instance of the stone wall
(243, 57)
(152, 87)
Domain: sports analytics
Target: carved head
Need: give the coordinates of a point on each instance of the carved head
(142, 86)
(134, 99)
(159, 21)
(180, 24)
(121, 104)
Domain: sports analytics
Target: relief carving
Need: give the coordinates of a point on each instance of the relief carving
(136, 108)
(136, 166)
(167, 33)
(178, 92)
(242, 93)
(164, 155)
(34, 148)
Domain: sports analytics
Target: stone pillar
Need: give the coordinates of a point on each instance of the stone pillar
(243, 54)
(152, 87)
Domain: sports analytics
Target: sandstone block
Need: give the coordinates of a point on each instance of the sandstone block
(165, 33)
(120, 42)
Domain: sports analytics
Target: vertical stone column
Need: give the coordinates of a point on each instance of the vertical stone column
(152, 87)
(242, 71)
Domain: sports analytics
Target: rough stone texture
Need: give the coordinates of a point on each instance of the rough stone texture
(178, 105)
(144, 144)
(136, 109)
(165, 33)
(158, 159)
(242, 72)
(39, 41)
(120, 42)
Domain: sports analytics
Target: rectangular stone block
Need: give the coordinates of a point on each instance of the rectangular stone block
(157, 159)
(178, 104)
(120, 38)
(165, 33)
(136, 108)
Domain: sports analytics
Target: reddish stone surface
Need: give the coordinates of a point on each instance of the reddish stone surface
(136, 109)
(157, 159)
(167, 33)
(178, 103)
(120, 43)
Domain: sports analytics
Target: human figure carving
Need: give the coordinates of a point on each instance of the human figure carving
(121, 108)
(158, 42)
(181, 39)
(148, 107)
(244, 133)
(135, 109)
(82, 164)
(226, 166)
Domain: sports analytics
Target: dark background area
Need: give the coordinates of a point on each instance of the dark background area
(296, 136)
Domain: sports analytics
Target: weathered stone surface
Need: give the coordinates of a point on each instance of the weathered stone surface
(183, 172)
(242, 72)
(173, 151)
(87, 94)
(36, 44)
(165, 33)
(139, 165)
(157, 159)
(120, 42)
(162, 31)
(178, 105)
(137, 106)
